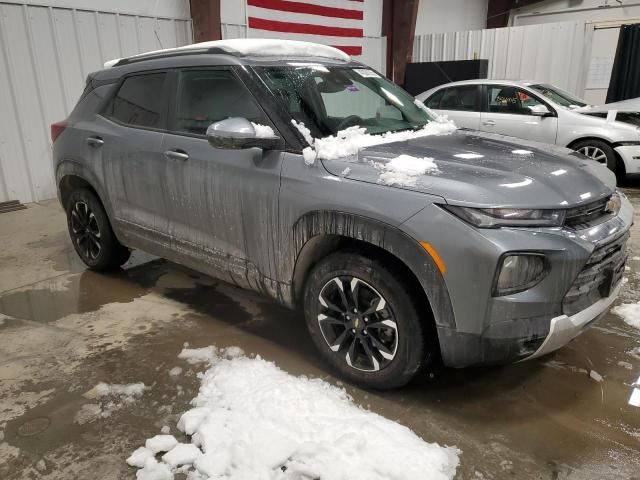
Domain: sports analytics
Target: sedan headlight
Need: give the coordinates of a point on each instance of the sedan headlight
(518, 272)
(508, 217)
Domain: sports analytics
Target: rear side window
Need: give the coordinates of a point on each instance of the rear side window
(434, 100)
(139, 101)
(463, 98)
(208, 96)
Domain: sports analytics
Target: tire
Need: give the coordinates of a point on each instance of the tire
(600, 151)
(391, 328)
(91, 233)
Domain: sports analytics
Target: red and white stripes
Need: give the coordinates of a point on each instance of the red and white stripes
(338, 23)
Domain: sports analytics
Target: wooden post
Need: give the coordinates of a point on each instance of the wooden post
(205, 15)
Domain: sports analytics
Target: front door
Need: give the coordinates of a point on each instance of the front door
(507, 112)
(222, 203)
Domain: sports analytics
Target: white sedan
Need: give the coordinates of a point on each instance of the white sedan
(535, 111)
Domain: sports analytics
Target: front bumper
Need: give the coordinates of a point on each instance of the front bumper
(630, 155)
(563, 329)
(586, 267)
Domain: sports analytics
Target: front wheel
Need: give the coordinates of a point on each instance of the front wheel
(600, 152)
(364, 322)
(91, 233)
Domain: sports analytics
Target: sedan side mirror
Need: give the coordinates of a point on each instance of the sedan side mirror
(239, 133)
(540, 110)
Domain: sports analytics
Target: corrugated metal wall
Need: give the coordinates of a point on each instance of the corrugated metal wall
(554, 52)
(45, 56)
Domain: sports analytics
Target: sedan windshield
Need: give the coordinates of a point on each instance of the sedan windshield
(559, 96)
(330, 99)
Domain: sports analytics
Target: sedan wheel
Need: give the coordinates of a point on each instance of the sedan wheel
(594, 152)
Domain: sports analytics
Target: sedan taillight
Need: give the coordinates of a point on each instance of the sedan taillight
(56, 129)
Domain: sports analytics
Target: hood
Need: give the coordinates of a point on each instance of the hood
(487, 170)
(631, 105)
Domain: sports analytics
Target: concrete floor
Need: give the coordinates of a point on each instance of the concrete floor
(63, 329)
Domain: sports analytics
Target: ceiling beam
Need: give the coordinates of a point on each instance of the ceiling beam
(498, 11)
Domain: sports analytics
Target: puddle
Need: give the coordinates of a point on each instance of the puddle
(88, 291)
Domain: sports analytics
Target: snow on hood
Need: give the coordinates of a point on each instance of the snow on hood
(350, 141)
(257, 47)
(481, 169)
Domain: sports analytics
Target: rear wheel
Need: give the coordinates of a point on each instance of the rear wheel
(364, 322)
(91, 233)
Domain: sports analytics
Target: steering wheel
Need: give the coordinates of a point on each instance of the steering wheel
(349, 121)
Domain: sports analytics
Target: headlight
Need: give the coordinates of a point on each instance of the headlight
(508, 217)
(518, 272)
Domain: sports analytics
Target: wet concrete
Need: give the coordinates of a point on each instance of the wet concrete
(64, 329)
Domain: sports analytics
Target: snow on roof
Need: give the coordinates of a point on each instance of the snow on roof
(258, 47)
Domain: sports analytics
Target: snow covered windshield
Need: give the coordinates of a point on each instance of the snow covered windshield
(559, 96)
(330, 99)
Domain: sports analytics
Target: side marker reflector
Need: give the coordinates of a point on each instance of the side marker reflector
(434, 255)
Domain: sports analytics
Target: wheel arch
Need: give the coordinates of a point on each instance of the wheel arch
(319, 233)
(575, 141)
(71, 175)
(620, 164)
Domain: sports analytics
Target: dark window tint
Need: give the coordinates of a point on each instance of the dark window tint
(209, 96)
(507, 99)
(434, 100)
(139, 100)
(460, 98)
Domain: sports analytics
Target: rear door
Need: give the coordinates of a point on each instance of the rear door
(222, 203)
(130, 131)
(460, 103)
(507, 112)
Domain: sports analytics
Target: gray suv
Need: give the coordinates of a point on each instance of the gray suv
(290, 169)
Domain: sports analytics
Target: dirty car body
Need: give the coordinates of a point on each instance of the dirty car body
(507, 252)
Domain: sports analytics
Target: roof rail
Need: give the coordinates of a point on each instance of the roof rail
(168, 54)
(241, 47)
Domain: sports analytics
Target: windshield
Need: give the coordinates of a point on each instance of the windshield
(330, 99)
(559, 96)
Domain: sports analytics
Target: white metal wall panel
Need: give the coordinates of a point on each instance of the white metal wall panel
(552, 52)
(46, 53)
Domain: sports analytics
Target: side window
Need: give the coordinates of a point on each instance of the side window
(507, 99)
(464, 98)
(208, 96)
(434, 101)
(139, 101)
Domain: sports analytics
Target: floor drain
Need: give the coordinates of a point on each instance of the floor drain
(34, 427)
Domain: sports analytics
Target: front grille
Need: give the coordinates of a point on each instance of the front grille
(600, 275)
(588, 215)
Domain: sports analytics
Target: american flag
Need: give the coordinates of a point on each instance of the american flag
(338, 23)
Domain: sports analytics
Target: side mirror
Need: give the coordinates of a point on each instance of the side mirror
(239, 133)
(540, 110)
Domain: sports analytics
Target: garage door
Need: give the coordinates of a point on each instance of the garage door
(46, 53)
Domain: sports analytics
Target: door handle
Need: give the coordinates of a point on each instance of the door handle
(177, 154)
(489, 123)
(95, 141)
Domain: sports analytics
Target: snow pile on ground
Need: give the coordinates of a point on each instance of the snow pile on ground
(630, 313)
(252, 420)
(111, 397)
(263, 131)
(349, 141)
(198, 355)
(405, 170)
